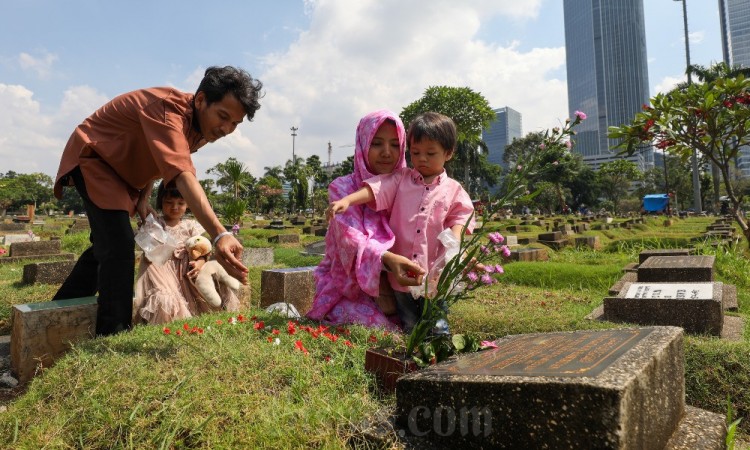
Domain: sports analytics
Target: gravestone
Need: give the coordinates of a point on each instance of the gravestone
(12, 227)
(529, 254)
(9, 239)
(51, 272)
(315, 249)
(527, 240)
(696, 307)
(669, 269)
(42, 332)
(285, 239)
(611, 389)
(255, 257)
(511, 241)
(627, 277)
(645, 254)
(310, 229)
(295, 285)
(591, 242)
(34, 248)
(553, 240)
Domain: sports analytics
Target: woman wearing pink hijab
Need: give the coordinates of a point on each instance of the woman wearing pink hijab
(348, 280)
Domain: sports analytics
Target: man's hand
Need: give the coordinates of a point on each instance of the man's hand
(228, 252)
(336, 207)
(407, 273)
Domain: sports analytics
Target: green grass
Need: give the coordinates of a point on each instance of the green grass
(231, 388)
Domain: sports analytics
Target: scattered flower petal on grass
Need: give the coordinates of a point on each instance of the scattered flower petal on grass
(488, 344)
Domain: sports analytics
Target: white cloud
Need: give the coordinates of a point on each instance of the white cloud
(667, 84)
(34, 140)
(696, 37)
(355, 57)
(41, 66)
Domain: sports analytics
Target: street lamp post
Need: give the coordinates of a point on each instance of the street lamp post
(694, 157)
(294, 160)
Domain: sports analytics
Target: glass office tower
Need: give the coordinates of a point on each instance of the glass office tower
(735, 45)
(501, 132)
(605, 45)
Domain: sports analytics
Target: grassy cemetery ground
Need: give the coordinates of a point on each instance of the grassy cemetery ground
(251, 380)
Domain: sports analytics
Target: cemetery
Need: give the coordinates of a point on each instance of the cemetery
(621, 337)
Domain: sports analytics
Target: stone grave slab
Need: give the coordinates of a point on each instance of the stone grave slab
(591, 242)
(295, 286)
(42, 332)
(669, 269)
(12, 227)
(729, 298)
(627, 277)
(321, 232)
(316, 248)
(529, 254)
(57, 257)
(565, 229)
(511, 241)
(10, 239)
(285, 239)
(611, 389)
(255, 257)
(645, 254)
(548, 237)
(50, 247)
(527, 240)
(50, 272)
(630, 267)
(696, 307)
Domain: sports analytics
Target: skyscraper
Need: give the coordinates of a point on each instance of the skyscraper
(605, 45)
(735, 45)
(501, 132)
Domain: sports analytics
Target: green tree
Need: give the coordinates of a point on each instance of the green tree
(615, 179)
(19, 189)
(345, 168)
(233, 177)
(471, 112)
(711, 117)
(315, 167)
(521, 149)
(270, 194)
(584, 188)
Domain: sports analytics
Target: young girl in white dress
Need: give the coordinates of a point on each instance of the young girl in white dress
(166, 292)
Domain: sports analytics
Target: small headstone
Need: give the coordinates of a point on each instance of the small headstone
(321, 231)
(295, 286)
(645, 254)
(51, 272)
(42, 332)
(12, 226)
(696, 307)
(527, 240)
(254, 257)
(285, 239)
(611, 389)
(548, 237)
(669, 269)
(316, 248)
(627, 277)
(51, 247)
(511, 241)
(9, 239)
(529, 254)
(591, 242)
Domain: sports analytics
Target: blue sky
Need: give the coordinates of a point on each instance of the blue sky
(324, 63)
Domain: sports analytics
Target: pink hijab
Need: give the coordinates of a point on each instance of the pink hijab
(349, 276)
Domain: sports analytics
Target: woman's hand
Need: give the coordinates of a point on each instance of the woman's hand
(195, 268)
(407, 272)
(336, 207)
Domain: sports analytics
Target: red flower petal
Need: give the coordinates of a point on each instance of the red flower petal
(167, 330)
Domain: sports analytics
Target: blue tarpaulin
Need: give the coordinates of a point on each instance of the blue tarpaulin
(655, 202)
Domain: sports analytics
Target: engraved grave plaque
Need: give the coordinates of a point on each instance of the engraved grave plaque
(691, 291)
(579, 354)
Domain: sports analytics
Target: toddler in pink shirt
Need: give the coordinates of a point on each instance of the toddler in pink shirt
(421, 201)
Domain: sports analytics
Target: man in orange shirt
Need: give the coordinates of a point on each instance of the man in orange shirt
(113, 159)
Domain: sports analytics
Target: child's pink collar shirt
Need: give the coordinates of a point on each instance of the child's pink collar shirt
(419, 212)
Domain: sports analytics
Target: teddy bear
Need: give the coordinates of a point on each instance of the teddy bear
(196, 247)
